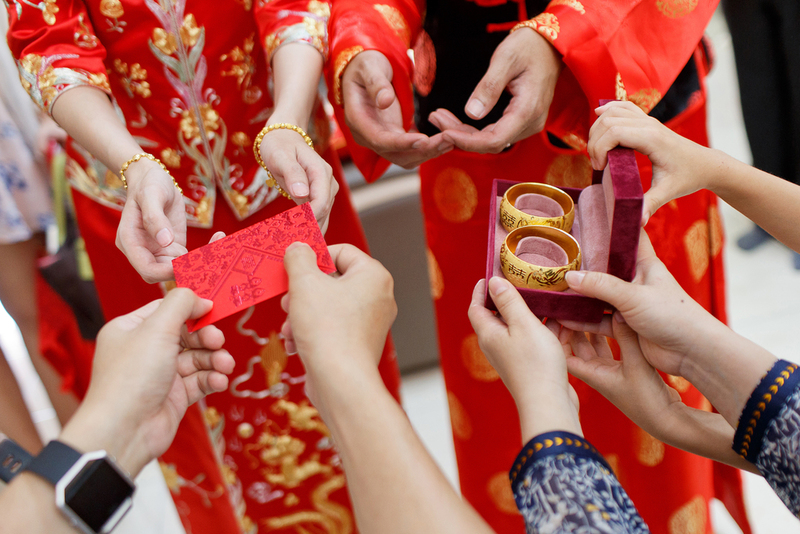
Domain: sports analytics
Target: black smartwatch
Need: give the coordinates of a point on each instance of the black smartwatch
(13, 459)
(91, 491)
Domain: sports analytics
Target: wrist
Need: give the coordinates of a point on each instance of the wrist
(95, 428)
(545, 410)
(339, 382)
(718, 169)
(728, 372)
(137, 171)
(290, 117)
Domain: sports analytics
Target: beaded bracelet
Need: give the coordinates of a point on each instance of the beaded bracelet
(151, 157)
(271, 181)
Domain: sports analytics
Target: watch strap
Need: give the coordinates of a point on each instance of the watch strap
(54, 461)
(13, 459)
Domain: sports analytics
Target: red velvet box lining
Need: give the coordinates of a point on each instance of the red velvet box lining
(607, 221)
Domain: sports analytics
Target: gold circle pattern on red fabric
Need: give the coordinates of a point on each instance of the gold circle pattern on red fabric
(675, 9)
(459, 418)
(499, 490)
(691, 518)
(455, 195)
(435, 276)
(649, 450)
(569, 170)
(475, 361)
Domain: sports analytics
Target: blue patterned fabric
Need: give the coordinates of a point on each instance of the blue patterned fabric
(24, 197)
(563, 485)
(768, 433)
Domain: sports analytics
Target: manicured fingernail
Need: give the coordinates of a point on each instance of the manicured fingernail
(378, 96)
(497, 286)
(418, 144)
(574, 278)
(475, 108)
(645, 218)
(290, 347)
(164, 237)
(300, 189)
(208, 301)
(619, 318)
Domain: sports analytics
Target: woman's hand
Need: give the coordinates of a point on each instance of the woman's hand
(671, 325)
(528, 357)
(675, 334)
(631, 383)
(300, 171)
(680, 166)
(637, 389)
(152, 230)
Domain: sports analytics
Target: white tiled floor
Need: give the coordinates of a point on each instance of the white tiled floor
(763, 291)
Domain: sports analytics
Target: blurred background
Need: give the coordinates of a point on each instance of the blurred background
(763, 288)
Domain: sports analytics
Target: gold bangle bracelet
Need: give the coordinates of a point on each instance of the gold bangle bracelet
(527, 275)
(512, 217)
(151, 157)
(271, 181)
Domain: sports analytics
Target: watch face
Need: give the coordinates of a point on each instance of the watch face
(96, 493)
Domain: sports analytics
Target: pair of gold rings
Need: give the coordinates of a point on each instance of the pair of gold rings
(538, 251)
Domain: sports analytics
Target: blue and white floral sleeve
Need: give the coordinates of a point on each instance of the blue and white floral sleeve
(563, 485)
(768, 433)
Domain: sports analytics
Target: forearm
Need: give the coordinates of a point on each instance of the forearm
(28, 505)
(88, 116)
(771, 202)
(296, 69)
(541, 412)
(727, 370)
(389, 472)
(702, 433)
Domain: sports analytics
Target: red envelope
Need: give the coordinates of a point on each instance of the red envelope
(246, 268)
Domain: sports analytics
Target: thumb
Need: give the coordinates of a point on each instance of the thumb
(656, 196)
(602, 286)
(300, 260)
(153, 203)
(509, 302)
(489, 89)
(180, 305)
(378, 84)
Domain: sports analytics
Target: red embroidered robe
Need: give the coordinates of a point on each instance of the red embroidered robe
(632, 50)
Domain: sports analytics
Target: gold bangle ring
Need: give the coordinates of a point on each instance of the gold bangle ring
(527, 275)
(151, 157)
(512, 217)
(271, 181)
